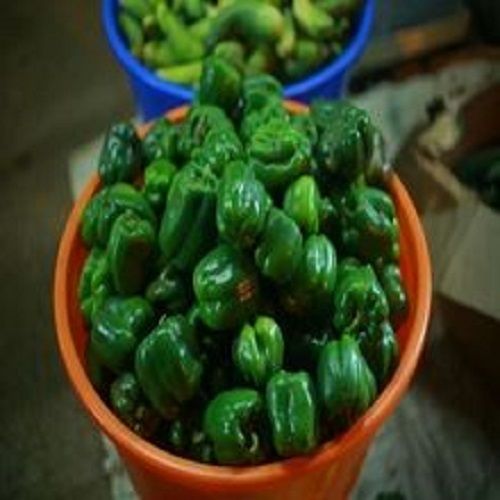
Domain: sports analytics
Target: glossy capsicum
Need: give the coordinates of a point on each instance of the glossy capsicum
(279, 153)
(380, 349)
(168, 365)
(392, 283)
(346, 386)
(168, 291)
(160, 142)
(187, 228)
(258, 351)
(260, 90)
(233, 422)
(158, 176)
(118, 328)
(95, 285)
(128, 402)
(292, 415)
(359, 300)
(120, 159)
(369, 226)
(253, 119)
(303, 204)
(131, 244)
(220, 84)
(242, 205)
(280, 250)
(311, 290)
(226, 288)
(105, 207)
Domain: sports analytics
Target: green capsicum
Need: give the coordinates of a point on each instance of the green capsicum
(187, 228)
(168, 366)
(168, 291)
(95, 285)
(279, 252)
(291, 407)
(359, 300)
(105, 207)
(303, 204)
(131, 244)
(128, 402)
(120, 159)
(226, 288)
(311, 290)
(379, 346)
(242, 205)
(119, 326)
(259, 90)
(258, 351)
(253, 119)
(369, 226)
(157, 179)
(233, 422)
(346, 386)
(392, 283)
(160, 142)
(220, 84)
(279, 153)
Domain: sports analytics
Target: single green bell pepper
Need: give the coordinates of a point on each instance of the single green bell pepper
(242, 205)
(233, 422)
(160, 142)
(130, 246)
(187, 228)
(303, 204)
(279, 153)
(280, 250)
(291, 407)
(157, 179)
(120, 159)
(369, 226)
(392, 283)
(359, 300)
(259, 90)
(168, 291)
(168, 366)
(252, 20)
(254, 119)
(311, 290)
(258, 351)
(346, 386)
(104, 208)
(118, 328)
(94, 286)
(127, 401)
(220, 84)
(226, 288)
(380, 349)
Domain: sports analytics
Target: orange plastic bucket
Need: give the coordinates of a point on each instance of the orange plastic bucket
(330, 472)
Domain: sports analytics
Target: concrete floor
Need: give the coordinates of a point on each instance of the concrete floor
(59, 87)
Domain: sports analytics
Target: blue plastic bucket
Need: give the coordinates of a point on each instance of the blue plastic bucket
(153, 96)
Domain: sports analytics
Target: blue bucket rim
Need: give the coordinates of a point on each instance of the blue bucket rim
(336, 68)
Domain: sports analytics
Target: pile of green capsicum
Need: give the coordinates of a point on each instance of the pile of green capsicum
(242, 282)
(288, 38)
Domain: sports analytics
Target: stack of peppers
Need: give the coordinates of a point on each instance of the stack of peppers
(242, 283)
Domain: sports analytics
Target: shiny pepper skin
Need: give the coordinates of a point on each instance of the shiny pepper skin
(302, 203)
(118, 328)
(311, 290)
(233, 422)
(160, 142)
(279, 153)
(359, 300)
(369, 225)
(121, 157)
(226, 288)
(280, 250)
(346, 386)
(168, 365)
(258, 351)
(157, 179)
(129, 250)
(292, 415)
(392, 283)
(242, 205)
